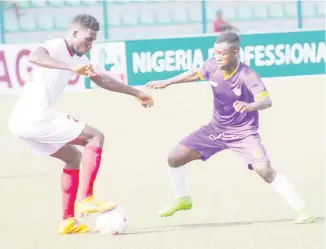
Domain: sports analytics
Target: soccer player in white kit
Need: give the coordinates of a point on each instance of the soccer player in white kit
(47, 132)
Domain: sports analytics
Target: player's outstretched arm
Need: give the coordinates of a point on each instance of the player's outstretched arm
(40, 57)
(186, 77)
(106, 82)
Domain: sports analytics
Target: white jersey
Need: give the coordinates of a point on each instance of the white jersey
(33, 118)
(41, 94)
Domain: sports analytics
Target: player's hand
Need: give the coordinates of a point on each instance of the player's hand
(145, 99)
(159, 84)
(85, 70)
(241, 107)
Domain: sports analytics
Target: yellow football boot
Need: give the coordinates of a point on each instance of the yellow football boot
(71, 226)
(89, 205)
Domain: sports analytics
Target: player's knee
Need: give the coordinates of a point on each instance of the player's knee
(77, 157)
(174, 160)
(74, 161)
(181, 155)
(98, 138)
(266, 172)
(269, 176)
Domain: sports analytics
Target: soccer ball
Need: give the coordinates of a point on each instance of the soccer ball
(112, 222)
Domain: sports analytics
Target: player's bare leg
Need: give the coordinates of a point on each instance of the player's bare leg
(285, 189)
(92, 140)
(177, 159)
(71, 156)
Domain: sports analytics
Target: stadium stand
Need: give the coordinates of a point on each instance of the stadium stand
(127, 19)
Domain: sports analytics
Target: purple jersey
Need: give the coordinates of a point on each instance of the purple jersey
(243, 85)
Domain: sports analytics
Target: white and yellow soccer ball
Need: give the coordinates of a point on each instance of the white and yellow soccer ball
(112, 222)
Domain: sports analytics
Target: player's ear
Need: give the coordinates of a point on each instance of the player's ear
(236, 53)
(74, 33)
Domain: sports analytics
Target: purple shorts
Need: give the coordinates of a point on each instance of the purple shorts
(207, 141)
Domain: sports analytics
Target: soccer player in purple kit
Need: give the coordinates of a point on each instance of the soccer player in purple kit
(238, 94)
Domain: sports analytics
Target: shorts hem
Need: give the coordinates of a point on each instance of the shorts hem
(259, 161)
(56, 146)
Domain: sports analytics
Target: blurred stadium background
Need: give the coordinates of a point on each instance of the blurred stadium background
(35, 21)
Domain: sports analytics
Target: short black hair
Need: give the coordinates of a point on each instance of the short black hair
(86, 21)
(229, 37)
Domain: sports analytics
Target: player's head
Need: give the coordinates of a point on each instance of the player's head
(219, 14)
(83, 32)
(226, 49)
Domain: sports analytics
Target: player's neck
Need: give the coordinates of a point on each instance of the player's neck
(69, 46)
(230, 71)
(233, 66)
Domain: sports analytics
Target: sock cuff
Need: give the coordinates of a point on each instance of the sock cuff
(70, 171)
(96, 149)
(278, 178)
(177, 169)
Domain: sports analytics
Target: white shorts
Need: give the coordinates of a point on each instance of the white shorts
(47, 133)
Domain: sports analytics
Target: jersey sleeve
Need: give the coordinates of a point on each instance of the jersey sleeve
(53, 45)
(204, 71)
(256, 86)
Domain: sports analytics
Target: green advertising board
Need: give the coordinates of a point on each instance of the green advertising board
(270, 54)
